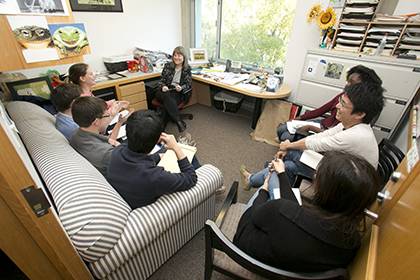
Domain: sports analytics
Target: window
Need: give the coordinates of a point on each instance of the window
(251, 31)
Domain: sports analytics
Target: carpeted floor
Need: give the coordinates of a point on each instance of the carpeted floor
(222, 140)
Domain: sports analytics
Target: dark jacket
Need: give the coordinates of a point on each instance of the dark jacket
(140, 182)
(285, 235)
(185, 81)
(330, 107)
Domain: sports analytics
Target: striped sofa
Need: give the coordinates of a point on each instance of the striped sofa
(115, 241)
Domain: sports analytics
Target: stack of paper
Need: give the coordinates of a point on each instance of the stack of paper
(362, 2)
(394, 30)
(340, 47)
(348, 41)
(169, 160)
(353, 27)
(360, 10)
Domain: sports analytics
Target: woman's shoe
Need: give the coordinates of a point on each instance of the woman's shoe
(245, 175)
(181, 126)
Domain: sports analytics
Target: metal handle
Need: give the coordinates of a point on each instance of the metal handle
(371, 214)
(395, 176)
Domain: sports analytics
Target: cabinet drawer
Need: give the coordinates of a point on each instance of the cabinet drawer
(139, 105)
(136, 97)
(131, 89)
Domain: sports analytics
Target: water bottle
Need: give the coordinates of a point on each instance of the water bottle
(381, 45)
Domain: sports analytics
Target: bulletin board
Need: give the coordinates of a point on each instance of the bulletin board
(11, 56)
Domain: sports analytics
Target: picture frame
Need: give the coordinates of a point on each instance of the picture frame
(198, 56)
(36, 89)
(115, 6)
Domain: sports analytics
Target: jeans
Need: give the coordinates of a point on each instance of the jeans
(284, 134)
(292, 166)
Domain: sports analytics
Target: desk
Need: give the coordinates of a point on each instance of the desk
(282, 92)
(132, 89)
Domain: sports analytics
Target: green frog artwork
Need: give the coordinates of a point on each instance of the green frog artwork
(70, 39)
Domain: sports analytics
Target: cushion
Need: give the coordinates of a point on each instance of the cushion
(228, 228)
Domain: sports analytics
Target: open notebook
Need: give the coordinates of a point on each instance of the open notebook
(169, 161)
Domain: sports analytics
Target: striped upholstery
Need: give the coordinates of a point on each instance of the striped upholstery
(116, 242)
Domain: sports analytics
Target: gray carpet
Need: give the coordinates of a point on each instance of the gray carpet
(223, 140)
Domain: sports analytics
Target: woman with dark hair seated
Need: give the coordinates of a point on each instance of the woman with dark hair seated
(321, 235)
(175, 85)
(82, 75)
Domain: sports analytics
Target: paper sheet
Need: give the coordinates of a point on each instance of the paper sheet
(121, 133)
(293, 125)
(123, 113)
(296, 192)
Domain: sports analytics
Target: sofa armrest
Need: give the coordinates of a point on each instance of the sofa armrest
(145, 224)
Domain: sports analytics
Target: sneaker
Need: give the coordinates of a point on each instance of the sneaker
(186, 139)
(221, 190)
(245, 174)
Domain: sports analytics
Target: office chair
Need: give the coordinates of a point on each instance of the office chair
(223, 256)
(389, 159)
(184, 116)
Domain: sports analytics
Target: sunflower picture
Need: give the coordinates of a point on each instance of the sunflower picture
(327, 18)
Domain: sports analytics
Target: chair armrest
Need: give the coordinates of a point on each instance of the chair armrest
(230, 199)
(299, 178)
(217, 240)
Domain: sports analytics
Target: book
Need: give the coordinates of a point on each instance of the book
(169, 160)
(311, 158)
(294, 111)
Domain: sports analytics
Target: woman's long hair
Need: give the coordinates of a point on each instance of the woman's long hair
(181, 50)
(76, 71)
(344, 186)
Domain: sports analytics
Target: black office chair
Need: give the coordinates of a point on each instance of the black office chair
(389, 159)
(223, 256)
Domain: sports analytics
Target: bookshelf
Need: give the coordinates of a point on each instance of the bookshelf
(361, 28)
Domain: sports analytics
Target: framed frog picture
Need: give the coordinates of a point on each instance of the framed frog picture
(69, 39)
(97, 5)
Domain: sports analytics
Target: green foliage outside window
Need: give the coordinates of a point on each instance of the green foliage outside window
(253, 31)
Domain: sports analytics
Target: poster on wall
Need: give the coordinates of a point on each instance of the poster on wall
(9, 7)
(33, 37)
(97, 5)
(69, 39)
(34, 7)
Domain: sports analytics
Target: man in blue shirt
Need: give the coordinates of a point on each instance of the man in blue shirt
(134, 173)
(62, 98)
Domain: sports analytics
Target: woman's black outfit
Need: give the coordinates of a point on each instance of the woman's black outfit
(285, 235)
(172, 98)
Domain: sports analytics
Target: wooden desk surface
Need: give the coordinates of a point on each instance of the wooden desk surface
(139, 76)
(282, 92)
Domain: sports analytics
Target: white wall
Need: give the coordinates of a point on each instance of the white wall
(304, 36)
(154, 25)
(407, 7)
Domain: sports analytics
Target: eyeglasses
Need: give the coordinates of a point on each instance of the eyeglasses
(342, 103)
(104, 116)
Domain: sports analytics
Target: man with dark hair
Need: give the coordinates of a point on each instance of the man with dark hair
(358, 107)
(91, 114)
(62, 98)
(355, 75)
(133, 171)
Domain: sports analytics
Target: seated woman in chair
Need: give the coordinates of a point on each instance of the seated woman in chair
(175, 86)
(321, 235)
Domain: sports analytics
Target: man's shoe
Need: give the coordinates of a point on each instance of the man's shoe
(245, 174)
(181, 126)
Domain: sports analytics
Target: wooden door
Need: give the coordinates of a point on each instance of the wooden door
(38, 245)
